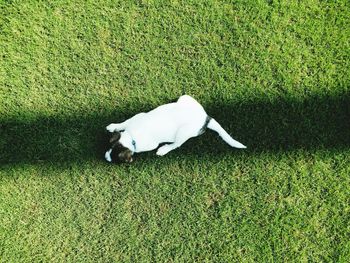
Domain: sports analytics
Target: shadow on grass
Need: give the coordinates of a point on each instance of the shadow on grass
(286, 124)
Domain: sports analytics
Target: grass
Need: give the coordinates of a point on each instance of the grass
(274, 73)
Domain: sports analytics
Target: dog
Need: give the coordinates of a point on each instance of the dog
(172, 124)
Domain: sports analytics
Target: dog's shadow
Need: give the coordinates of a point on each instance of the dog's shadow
(262, 125)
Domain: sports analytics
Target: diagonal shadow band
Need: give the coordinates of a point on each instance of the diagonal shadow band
(284, 124)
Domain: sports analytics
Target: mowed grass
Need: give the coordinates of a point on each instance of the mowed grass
(275, 74)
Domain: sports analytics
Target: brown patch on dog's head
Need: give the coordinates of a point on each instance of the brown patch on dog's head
(119, 154)
(125, 156)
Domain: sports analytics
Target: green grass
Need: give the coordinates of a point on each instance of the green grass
(276, 74)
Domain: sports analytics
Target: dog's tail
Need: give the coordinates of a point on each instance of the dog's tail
(215, 126)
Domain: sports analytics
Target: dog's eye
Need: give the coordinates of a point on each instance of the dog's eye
(115, 145)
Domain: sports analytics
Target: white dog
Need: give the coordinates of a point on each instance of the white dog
(172, 123)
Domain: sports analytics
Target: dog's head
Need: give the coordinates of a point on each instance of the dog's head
(117, 152)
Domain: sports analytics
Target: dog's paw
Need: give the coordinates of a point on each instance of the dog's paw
(163, 150)
(111, 127)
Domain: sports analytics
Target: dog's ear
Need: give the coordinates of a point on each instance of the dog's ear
(115, 137)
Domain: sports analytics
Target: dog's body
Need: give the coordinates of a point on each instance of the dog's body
(172, 123)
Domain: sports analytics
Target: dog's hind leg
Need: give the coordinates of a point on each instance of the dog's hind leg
(182, 135)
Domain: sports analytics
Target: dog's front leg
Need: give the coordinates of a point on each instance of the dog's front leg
(116, 127)
(122, 126)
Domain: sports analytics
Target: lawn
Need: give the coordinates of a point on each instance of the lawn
(275, 74)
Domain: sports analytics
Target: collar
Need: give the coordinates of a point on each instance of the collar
(133, 144)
